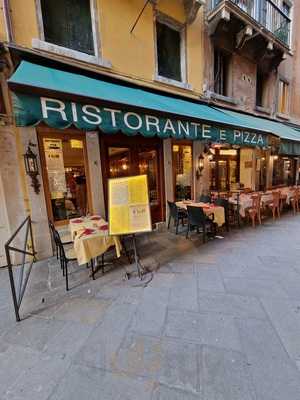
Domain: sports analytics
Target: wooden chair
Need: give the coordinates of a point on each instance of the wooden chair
(254, 210)
(275, 203)
(295, 200)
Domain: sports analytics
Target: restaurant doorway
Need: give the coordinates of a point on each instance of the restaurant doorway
(224, 169)
(65, 173)
(128, 156)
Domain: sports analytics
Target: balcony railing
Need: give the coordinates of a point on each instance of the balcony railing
(266, 13)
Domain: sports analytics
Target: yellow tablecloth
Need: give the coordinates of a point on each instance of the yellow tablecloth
(218, 211)
(91, 244)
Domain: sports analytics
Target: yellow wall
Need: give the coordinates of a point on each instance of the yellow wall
(2, 26)
(131, 55)
(24, 21)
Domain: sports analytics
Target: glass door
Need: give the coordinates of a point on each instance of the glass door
(122, 156)
(64, 171)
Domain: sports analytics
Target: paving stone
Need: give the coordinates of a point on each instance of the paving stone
(84, 310)
(14, 361)
(33, 332)
(38, 381)
(82, 382)
(229, 304)
(100, 348)
(165, 360)
(69, 340)
(274, 375)
(254, 287)
(183, 295)
(179, 365)
(178, 267)
(225, 376)
(209, 278)
(210, 329)
(162, 392)
(285, 317)
(150, 314)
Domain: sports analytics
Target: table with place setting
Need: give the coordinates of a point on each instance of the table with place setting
(91, 238)
(208, 208)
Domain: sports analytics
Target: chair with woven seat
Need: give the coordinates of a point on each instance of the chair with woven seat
(205, 198)
(275, 203)
(66, 256)
(198, 219)
(254, 211)
(178, 215)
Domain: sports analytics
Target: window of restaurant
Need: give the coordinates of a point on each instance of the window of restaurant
(283, 91)
(222, 63)
(261, 80)
(224, 169)
(124, 156)
(169, 48)
(68, 23)
(63, 158)
(284, 170)
(182, 171)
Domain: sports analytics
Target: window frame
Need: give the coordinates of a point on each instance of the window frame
(41, 44)
(228, 84)
(181, 28)
(286, 112)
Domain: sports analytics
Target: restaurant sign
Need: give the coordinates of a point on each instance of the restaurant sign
(60, 114)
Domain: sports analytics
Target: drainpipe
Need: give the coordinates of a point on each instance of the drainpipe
(7, 17)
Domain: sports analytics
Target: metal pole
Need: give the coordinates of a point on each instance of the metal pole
(139, 16)
(12, 284)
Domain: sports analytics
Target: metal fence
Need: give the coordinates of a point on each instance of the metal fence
(266, 13)
(27, 252)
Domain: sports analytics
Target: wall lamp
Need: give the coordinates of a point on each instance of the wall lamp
(31, 168)
(200, 166)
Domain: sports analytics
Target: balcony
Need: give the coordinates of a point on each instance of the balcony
(264, 17)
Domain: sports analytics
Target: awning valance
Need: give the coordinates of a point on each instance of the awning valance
(131, 110)
(290, 137)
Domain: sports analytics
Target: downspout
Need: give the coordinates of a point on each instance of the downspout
(8, 24)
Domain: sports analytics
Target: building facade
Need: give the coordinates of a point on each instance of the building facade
(98, 89)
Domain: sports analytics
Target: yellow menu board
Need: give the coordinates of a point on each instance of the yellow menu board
(129, 208)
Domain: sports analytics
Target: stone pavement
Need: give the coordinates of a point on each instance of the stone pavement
(218, 321)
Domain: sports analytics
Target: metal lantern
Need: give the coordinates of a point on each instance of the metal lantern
(200, 166)
(31, 168)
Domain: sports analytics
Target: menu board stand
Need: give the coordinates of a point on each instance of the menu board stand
(129, 212)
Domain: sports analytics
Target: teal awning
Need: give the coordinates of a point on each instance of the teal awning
(131, 110)
(290, 137)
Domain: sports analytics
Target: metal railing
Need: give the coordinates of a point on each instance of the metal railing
(26, 250)
(266, 13)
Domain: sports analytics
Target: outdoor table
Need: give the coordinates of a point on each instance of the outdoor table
(91, 238)
(218, 211)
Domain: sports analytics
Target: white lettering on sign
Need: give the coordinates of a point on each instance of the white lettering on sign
(195, 126)
(152, 121)
(46, 107)
(95, 115)
(74, 112)
(113, 115)
(253, 140)
(246, 137)
(223, 135)
(139, 121)
(206, 131)
(260, 139)
(184, 127)
(236, 134)
(169, 126)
